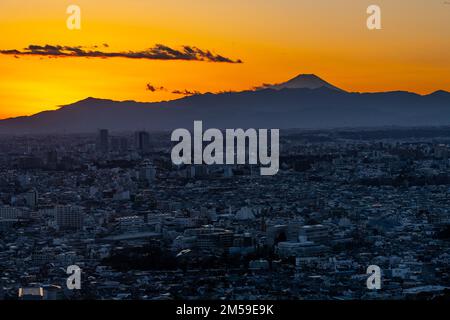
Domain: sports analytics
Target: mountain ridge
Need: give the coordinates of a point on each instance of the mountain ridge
(318, 108)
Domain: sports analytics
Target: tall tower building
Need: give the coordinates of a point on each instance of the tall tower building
(31, 198)
(103, 140)
(142, 141)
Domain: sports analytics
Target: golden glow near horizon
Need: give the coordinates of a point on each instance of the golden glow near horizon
(275, 39)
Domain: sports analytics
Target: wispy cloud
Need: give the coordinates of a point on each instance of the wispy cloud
(157, 52)
(183, 92)
(186, 92)
(264, 86)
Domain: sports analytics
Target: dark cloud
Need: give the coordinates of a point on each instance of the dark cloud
(186, 92)
(150, 87)
(153, 88)
(158, 52)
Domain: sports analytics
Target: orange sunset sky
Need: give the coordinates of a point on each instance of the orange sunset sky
(276, 40)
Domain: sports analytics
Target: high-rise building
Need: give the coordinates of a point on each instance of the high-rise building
(31, 198)
(142, 141)
(7, 212)
(69, 217)
(103, 140)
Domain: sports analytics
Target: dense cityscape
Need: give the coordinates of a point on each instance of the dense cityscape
(140, 227)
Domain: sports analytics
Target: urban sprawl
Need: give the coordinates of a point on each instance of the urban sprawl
(140, 227)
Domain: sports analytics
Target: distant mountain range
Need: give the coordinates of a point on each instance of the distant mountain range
(306, 101)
